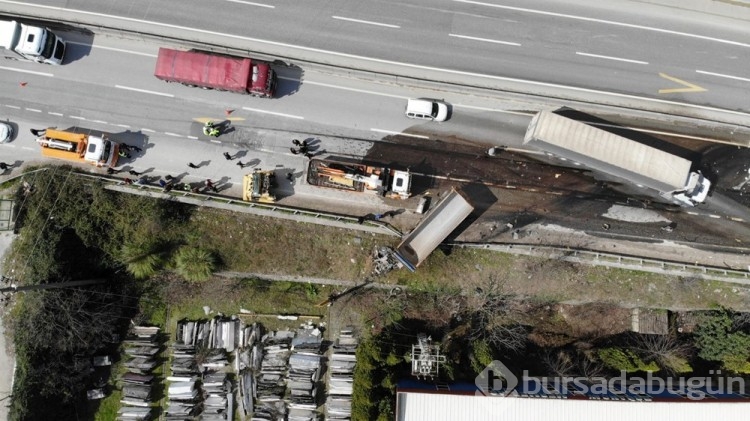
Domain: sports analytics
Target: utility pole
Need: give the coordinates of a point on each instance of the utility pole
(13, 288)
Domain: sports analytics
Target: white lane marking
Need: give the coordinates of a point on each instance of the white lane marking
(124, 126)
(128, 88)
(120, 50)
(399, 133)
(355, 90)
(366, 22)
(611, 58)
(249, 3)
(15, 107)
(608, 22)
(273, 113)
(99, 121)
(147, 130)
(26, 148)
(31, 72)
(714, 216)
(744, 79)
(497, 110)
(172, 134)
(485, 40)
(212, 140)
(75, 117)
(396, 63)
(55, 114)
(33, 110)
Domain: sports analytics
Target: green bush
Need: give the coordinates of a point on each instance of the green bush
(481, 356)
(716, 341)
(625, 360)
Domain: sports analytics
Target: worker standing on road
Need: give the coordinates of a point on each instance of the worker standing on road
(210, 130)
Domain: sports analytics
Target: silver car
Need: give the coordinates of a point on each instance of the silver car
(6, 132)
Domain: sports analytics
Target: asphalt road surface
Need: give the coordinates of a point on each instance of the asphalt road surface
(619, 48)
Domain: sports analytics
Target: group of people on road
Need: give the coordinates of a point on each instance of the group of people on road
(301, 148)
(168, 182)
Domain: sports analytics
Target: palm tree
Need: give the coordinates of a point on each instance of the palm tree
(142, 259)
(194, 264)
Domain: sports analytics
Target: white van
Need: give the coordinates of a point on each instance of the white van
(426, 109)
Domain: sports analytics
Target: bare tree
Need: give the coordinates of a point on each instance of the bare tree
(740, 321)
(666, 350)
(494, 318)
(588, 367)
(558, 363)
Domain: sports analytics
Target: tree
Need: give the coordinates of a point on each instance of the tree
(194, 264)
(558, 363)
(716, 341)
(494, 319)
(666, 350)
(143, 259)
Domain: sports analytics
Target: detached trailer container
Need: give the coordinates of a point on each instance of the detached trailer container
(433, 229)
(669, 175)
(213, 71)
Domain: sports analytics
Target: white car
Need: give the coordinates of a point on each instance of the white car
(6, 132)
(427, 109)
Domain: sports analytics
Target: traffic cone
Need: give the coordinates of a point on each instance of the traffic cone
(228, 111)
(24, 84)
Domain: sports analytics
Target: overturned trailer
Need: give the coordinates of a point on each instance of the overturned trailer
(435, 227)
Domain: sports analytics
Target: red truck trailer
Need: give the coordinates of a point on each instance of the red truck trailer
(213, 71)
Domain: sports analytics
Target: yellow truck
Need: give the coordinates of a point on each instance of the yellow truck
(256, 186)
(79, 147)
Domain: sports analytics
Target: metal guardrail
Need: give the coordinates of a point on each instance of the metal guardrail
(597, 258)
(266, 209)
(580, 256)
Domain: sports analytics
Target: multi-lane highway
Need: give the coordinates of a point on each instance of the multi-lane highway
(108, 85)
(625, 51)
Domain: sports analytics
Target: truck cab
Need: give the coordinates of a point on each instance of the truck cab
(32, 42)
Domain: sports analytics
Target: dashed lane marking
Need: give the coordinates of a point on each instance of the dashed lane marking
(273, 113)
(119, 50)
(31, 72)
(249, 3)
(494, 41)
(626, 60)
(367, 22)
(144, 91)
(744, 79)
(399, 133)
